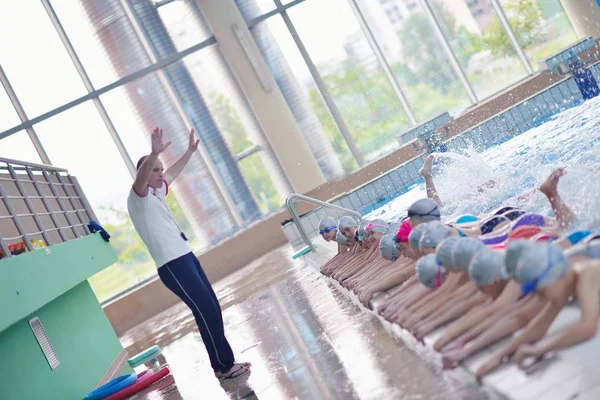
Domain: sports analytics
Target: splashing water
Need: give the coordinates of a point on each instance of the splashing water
(471, 183)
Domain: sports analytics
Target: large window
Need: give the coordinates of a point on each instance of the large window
(34, 58)
(416, 58)
(18, 146)
(541, 26)
(352, 73)
(475, 39)
(236, 178)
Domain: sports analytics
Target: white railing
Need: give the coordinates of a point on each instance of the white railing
(41, 205)
(289, 203)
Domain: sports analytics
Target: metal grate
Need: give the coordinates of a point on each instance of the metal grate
(44, 342)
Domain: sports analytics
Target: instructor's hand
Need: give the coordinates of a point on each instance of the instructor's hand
(158, 146)
(193, 143)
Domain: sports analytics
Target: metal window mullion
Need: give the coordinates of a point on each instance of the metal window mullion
(23, 117)
(333, 109)
(511, 35)
(280, 8)
(16, 219)
(73, 204)
(29, 205)
(90, 87)
(383, 62)
(449, 52)
(3, 246)
(120, 82)
(60, 202)
(61, 233)
(87, 207)
(204, 154)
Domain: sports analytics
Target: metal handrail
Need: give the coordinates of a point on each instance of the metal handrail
(20, 165)
(290, 206)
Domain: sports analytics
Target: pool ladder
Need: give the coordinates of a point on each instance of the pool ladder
(289, 203)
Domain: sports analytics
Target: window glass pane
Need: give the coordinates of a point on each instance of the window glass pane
(541, 26)
(481, 44)
(103, 38)
(8, 115)
(18, 146)
(415, 56)
(232, 114)
(184, 23)
(251, 9)
(69, 138)
(299, 90)
(262, 187)
(35, 59)
(349, 67)
(135, 110)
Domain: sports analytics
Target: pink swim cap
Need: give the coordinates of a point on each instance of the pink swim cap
(404, 231)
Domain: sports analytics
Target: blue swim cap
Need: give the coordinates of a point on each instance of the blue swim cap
(463, 219)
(577, 236)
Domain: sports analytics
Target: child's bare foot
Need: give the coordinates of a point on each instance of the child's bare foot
(549, 187)
(451, 359)
(427, 166)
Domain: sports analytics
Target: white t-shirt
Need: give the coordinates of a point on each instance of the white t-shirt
(156, 225)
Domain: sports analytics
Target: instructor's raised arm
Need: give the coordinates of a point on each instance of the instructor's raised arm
(144, 171)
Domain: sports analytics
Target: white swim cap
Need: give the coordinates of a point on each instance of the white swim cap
(540, 265)
(429, 272)
(464, 251)
(393, 228)
(513, 253)
(434, 233)
(415, 235)
(326, 222)
(444, 251)
(388, 249)
(341, 239)
(362, 233)
(590, 249)
(487, 267)
(347, 222)
(377, 225)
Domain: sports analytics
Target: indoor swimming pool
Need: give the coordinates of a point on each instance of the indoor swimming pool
(569, 139)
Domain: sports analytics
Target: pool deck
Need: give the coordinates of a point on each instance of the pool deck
(305, 338)
(571, 374)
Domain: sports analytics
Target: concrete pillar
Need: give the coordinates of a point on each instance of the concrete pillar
(584, 16)
(270, 108)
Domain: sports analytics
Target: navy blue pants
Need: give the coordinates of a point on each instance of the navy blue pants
(185, 277)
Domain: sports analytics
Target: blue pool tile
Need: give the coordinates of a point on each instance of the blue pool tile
(412, 173)
(402, 171)
(574, 88)
(364, 197)
(552, 105)
(314, 219)
(355, 200)
(558, 96)
(346, 203)
(380, 189)
(396, 180)
(386, 182)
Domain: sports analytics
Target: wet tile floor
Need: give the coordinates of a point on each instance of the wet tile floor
(305, 339)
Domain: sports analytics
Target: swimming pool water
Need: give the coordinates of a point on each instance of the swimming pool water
(569, 139)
